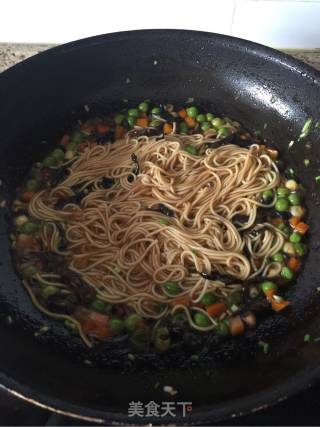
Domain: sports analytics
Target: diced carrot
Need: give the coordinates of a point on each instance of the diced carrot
(96, 325)
(294, 263)
(276, 221)
(302, 227)
(215, 310)
(142, 121)
(236, 326)
(294, 221)
(64, 140)
(102, 128)
(27, 196)
(269, 294)
(167, 128)
(119, 132)
(190, 121)
(279, 305)
(184, 300)
(26, 243)
(182, 113)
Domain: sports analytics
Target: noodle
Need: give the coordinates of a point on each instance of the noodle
(123, 247)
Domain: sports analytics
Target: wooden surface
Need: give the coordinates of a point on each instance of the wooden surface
(11, 54)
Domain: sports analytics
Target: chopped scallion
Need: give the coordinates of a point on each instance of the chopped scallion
(307, 338)
(264, 345)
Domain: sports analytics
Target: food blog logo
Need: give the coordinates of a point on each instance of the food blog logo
(161, 409)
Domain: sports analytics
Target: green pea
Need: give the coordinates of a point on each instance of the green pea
(202, 320)
(98, 305)
(294, 199)
(300, 248)
(267, 196)
(133, 112)
(284, 228)
(162, 339)
(209, 117)
(28, 271)
(70, 325)
(32, 185)
(117, 326)
(144, 107)
(156, 110)
(49, 291)
(205, 126)
(155, 123)
(282, 205)
(201, 118)
(131, 121)
(217, 122)
(268, 286)
(192, 112)
(282, 192)
(77, 137)
(72, 146)
(58, 154)
(224, 132)
(49, 161)
(287, 273)
(172, 288)
(223, 327)
(183, 127)
(29, 227)
(278, 257)
(133, 321)
(208, 299)
(118, 118)
(191, 149)
(295, 237)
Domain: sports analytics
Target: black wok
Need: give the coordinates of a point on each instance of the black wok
(265, 90)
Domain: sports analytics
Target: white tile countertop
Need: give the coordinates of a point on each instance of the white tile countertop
(11, 53)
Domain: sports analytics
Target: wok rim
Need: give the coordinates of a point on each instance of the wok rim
(234, 408)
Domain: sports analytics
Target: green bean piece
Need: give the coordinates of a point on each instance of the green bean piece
(295, 237)
(156, 110)
(224, 132)
(282, 192)
(29, 227)
(208, 299)
(205, 126)
(118, 118)
(294, 199)
(144, 107)
(201, 319)
(117, 326)
(133, 112)
(49, 291)
(172, 288)
(267, 196)
(58, 154)
(268, 286)
(282, 205)
(155, 123)
(98, 305)
(131, 121)
(192, 112)
(49, 161)
(32, 185)
(28, 271)
(223, 327)
(209, 117)
(217, 122)
(191, 149)
(287, 273)
(133, 321)
(183, 127)
(201, 118)
(278, 257)
(300, 248)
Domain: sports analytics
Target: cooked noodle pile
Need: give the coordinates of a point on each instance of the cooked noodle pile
(121, 243)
